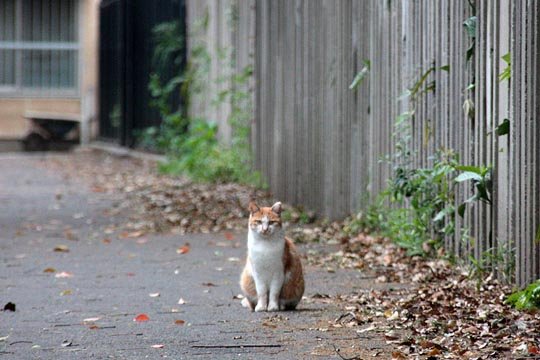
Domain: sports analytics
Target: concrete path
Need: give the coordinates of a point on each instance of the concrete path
(78, 283)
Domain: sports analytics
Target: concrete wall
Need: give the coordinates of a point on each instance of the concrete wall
(13, 126)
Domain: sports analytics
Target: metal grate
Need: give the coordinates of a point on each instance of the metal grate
(39, 46)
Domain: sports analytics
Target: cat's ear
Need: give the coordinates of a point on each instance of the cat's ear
(253, 207)
(277, 208)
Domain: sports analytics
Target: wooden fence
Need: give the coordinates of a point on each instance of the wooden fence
(320, 144)
(227, 30)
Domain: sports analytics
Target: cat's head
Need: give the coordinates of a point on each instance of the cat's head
(265, 220)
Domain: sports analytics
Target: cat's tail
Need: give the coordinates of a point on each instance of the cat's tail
(245, 303)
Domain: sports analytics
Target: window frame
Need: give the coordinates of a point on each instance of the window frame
(18, 90)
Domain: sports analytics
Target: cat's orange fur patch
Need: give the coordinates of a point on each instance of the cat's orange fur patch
(293, 287)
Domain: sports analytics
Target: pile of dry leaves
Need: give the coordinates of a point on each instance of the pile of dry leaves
(431, 308)
(154, 202)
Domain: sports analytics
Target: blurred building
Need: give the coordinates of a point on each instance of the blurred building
(79, 69)
(48, 64)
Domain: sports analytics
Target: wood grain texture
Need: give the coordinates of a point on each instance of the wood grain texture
(319, 144)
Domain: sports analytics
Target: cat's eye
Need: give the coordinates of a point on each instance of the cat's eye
(257, 222)
(272, 222)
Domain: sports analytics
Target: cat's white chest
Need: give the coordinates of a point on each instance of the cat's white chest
(266, 255)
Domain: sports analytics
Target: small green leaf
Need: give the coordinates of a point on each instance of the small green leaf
(503, 128)
(483, 195)
(404, 116)
(474, 169)
(468, 175)
(468, 108)
(416, 87)
(440, 215)
(470, 51)
(362, 74)
(470, 87)
(470, 26)
(404, 95)
(461, 209)
(445, 68)
(506, 74)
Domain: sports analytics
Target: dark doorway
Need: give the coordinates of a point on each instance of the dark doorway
(125, 60)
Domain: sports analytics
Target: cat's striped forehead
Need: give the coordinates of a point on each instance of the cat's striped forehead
(270, 213)
(263, 212)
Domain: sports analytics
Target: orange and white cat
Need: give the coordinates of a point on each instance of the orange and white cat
(272, 279)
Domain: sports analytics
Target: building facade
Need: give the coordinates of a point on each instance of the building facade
(48, 64)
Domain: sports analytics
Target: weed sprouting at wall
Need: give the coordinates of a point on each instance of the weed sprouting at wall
(191, 143)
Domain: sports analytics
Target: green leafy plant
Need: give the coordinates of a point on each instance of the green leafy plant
(417, 209)
(506, 74)
(526, 299)
(169, 45)
(191, 144)
(370, 220)
(425, 200)
(470, 26)
(304, 218)
(503, 128)
(494, 260)
(418, 89)
(480, 176)
(421, 200)
(202, 157)
(286, 215)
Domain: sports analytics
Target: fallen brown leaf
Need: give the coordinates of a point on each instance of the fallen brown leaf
(141, 318)
(183, 249)
(61, 248)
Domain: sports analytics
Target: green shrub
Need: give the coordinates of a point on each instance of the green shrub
(200, 156)
(417, 208)
(191, 145)
(526, 299)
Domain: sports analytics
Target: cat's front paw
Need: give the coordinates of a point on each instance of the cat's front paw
(273, 307)
(260, 307)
